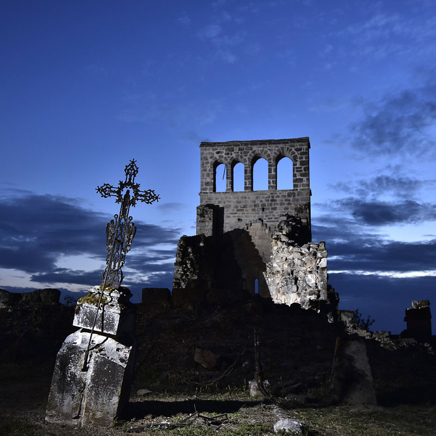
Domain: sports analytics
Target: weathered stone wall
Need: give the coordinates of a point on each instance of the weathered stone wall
(297, 274)
(239, 210)
(242, 208)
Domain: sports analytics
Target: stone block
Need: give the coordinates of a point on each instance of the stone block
(351, 381)
(115, 316)
(418, 320)
(31, 297)
(7, 298)
(94, 396)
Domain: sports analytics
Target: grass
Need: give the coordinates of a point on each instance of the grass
(345, 421)
(10, 425)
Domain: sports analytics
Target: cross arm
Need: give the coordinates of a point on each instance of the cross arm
(107, 190)
(146, 197)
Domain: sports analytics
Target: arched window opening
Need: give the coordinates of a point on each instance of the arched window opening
(238, 177)
(220, 178)
(285, 174)
(256, 286)
(260, 175)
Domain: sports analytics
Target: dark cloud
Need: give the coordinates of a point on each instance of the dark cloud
(398, 123)
(398, 186)
(149, 263)
(350, 248)
(37, 230)
(379, 213)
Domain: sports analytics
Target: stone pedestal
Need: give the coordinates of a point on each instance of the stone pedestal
(95, 393)
(115, 317)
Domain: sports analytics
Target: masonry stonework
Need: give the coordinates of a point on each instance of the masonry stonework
(235, 228)
(221, 212)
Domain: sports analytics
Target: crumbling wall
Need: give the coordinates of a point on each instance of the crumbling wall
(194, 263)
(229, 262)
(298, 274)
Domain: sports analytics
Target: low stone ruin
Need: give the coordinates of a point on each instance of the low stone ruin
(9, 300)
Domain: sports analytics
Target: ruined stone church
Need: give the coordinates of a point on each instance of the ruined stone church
(256, 241)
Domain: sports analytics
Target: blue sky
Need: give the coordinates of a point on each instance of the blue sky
(87, 86)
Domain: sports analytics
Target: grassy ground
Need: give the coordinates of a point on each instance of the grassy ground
(251, 419)
(229, 413)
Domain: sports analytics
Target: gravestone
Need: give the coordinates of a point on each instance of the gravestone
(94, 367)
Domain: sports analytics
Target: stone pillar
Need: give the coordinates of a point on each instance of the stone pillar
(248, 177)
(272, 175)
(229, 178)
(418, 320)
(94, 392)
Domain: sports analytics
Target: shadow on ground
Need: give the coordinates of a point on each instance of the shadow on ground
(171, 408)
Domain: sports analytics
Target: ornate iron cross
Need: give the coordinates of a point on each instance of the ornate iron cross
(120, 231)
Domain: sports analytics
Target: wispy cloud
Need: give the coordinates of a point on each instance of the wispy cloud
(224, 36)
(184, 20)
(210, 31)
(171, 207)
(178, 115)
(398, 123)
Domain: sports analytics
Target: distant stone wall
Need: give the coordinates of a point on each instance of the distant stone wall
(39, 296)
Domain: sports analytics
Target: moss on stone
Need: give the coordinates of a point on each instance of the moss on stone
(92, 299)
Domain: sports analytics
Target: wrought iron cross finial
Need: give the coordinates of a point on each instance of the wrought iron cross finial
(119, 234)
(131, 170)
(121, 231)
